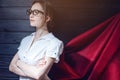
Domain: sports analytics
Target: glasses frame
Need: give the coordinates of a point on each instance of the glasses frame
(34, 12)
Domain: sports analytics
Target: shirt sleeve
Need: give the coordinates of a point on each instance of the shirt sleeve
(54, 50)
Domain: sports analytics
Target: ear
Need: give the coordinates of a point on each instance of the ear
(48, 18)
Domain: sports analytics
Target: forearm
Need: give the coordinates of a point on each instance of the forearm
(30, 71)
(13, 67)
(36, 72)
(16, 70)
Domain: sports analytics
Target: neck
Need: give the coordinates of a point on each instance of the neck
(41, 32)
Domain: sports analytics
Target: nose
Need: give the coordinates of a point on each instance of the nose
(31, 15)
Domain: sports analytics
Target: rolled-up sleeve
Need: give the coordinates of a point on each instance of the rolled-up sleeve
(54, 50)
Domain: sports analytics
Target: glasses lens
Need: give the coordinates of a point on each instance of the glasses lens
(28, 12)
(35, 12)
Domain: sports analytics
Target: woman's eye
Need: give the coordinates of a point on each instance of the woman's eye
(36, 12)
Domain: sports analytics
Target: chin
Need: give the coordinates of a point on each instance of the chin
(33, 25)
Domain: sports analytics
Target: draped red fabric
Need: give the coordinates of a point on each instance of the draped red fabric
(93, 55)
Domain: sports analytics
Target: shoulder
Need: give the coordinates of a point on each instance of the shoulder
(26, 38)
(54, 40)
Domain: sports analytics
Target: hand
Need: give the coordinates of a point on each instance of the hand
(41, 62)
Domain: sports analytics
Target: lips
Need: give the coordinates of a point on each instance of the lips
(32, 20)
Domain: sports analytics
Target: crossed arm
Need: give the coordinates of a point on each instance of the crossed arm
(37, 71)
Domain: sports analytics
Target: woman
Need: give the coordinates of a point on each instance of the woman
(38, 51)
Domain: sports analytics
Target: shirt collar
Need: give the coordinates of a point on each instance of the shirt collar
(47, 36)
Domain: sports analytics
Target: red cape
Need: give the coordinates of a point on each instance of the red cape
(93, 55)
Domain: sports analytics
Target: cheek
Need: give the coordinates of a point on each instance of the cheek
(40, 20)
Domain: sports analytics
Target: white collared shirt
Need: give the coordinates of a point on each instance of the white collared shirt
(47, 45)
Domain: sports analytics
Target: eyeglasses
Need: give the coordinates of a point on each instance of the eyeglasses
(35, 12)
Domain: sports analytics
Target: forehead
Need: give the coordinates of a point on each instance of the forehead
(37, 6)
